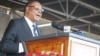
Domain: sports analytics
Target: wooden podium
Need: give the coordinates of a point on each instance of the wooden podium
(66, 45)
(59, 43)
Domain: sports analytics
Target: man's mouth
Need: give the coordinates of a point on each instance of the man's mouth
(38, 15)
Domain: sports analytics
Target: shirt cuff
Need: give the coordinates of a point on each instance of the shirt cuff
(21, 49)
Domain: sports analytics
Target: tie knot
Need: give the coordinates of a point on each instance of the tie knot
(34, 26)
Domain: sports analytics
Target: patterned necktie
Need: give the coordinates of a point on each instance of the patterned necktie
(35, 32)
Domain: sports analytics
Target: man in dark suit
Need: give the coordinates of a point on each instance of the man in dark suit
(20, 30)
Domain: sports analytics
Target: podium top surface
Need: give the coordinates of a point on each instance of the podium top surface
(49, 36)
(66, 34)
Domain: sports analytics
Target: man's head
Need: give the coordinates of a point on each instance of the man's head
(33, 10)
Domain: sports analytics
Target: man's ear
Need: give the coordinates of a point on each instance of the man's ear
(27, 8)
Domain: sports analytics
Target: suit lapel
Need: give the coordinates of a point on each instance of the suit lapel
(26, 28)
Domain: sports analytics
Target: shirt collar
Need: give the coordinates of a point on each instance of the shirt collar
(29, 21)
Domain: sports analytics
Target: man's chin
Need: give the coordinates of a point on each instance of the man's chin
(37, 19)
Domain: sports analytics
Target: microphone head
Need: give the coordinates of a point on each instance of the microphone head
(57, 25)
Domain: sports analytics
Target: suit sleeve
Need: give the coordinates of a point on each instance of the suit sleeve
(9, 43)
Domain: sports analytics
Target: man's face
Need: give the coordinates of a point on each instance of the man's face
(34, 11)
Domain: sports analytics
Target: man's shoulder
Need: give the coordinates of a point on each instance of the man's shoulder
(17, 19)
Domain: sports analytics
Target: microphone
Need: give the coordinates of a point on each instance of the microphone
(57, 25)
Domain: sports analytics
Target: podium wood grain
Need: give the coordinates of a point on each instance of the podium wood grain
(59, 43)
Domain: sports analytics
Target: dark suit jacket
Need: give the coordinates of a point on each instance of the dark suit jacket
(17, 31)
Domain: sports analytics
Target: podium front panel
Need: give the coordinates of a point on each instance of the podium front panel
(59, 44)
